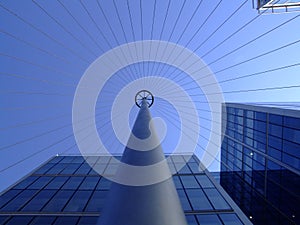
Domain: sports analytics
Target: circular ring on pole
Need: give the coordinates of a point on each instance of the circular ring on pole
(144, 95)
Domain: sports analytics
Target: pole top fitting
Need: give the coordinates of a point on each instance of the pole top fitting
(144, 95)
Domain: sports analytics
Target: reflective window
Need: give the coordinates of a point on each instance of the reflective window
(191, 220)
(25, 183)
(73, 183)
(189, 182)
(204, 181)
(39, 201)
(89, 183)
(209, 220)
(66, 220)
(184, 201)
(57, 182)
(97, 201)
(7, 196)
(198, 199)
(291, 135)
(40, 182)
(216, 199)
(57, 168)
(88, 220)
(78, 201)
(19, 201)
(57, 203)
(19, 220)
(230, 219)
(104, 184)
(291, 122)
(43, 220)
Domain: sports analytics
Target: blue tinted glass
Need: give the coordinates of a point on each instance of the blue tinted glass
(78, 201)
(57, 182)
(57, 168)
(290, 160)
(40, 183)
(71, 168)
(88, 220)
(189, 182)
(25, 183)
(198, 199)
(184, 170)
(209, 220)
(20, 200)
(177, 182)
(275, 130)
(39, 201)
(291, 135)
(274, 153)
(260, 116)
(204, 181)
(103, 184)
(275, 142)
(57, 203)
(7, 196)
(19, 220)
(77, 159)
(291, 122)
(275, 119)
(56, 159)
(291, 148)
(96, 202)
(191, 219)
(67, 159)
(230, 219)
(3, 219)
(43, 220)
(89, 183)
(83, 169)
(66, 220)
(184, 201)
(43, 169)
(260, 126)
(216, 199)
(73, 183)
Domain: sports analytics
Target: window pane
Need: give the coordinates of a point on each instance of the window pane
(25, 183)
(73, 183)
(78, 201)
(19, 220)
(104, 184)
(209, 220)
(66, 220)
(230, 219)
(189, 182)
(184, 201)
(216, 199)
(191, 219)
(7, 196)
(88, 220)
(198, 199)
(39, 201)
(177, 182)
(59, 200)
(57, 182)
(40, 183)
(89, 183)
(96, 202)
(43, 220)
(204, 181)
(20, 200)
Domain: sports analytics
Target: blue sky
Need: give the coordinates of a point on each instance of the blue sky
(46, 46)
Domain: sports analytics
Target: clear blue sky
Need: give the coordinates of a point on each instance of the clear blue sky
(47, 46)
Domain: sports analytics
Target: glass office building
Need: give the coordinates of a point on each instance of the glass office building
(260, 161)
(65, 190)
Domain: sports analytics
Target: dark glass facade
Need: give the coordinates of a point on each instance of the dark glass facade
(66, 190)
(260, 162)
